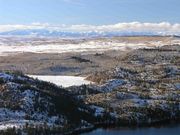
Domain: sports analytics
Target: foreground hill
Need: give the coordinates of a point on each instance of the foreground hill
(143, 88)
(34, 106)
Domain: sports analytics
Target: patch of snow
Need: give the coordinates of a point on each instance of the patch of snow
(98, 111)
(177, 85)
(22, 123)
(12, 85)
(139, 102)
(82, 110)
(85, 125)
(6, 76)
(124, 95)
(111, 84)
(114, 114)
(6, 114)
(28, 96)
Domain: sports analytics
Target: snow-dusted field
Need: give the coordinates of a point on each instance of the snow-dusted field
(90, 46)
(51, 48)
(64, 81)
(15, 45)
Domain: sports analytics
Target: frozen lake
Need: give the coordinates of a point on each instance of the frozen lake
(64, 81)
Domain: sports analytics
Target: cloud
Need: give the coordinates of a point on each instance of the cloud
(161, 28)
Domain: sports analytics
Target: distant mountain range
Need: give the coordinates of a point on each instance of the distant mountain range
(45, 32)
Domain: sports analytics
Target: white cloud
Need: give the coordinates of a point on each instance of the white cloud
(163, 27)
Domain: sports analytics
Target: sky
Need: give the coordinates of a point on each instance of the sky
(89, 12)
(154, 16)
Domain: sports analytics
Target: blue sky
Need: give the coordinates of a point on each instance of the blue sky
(95, 12)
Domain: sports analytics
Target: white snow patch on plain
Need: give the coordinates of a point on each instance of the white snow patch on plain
(65, 81)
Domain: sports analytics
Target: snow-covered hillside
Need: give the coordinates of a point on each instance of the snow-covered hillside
(26, 103)
(21, 104)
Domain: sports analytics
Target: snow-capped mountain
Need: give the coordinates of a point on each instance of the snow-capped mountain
(51, 33)
(119, 29)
